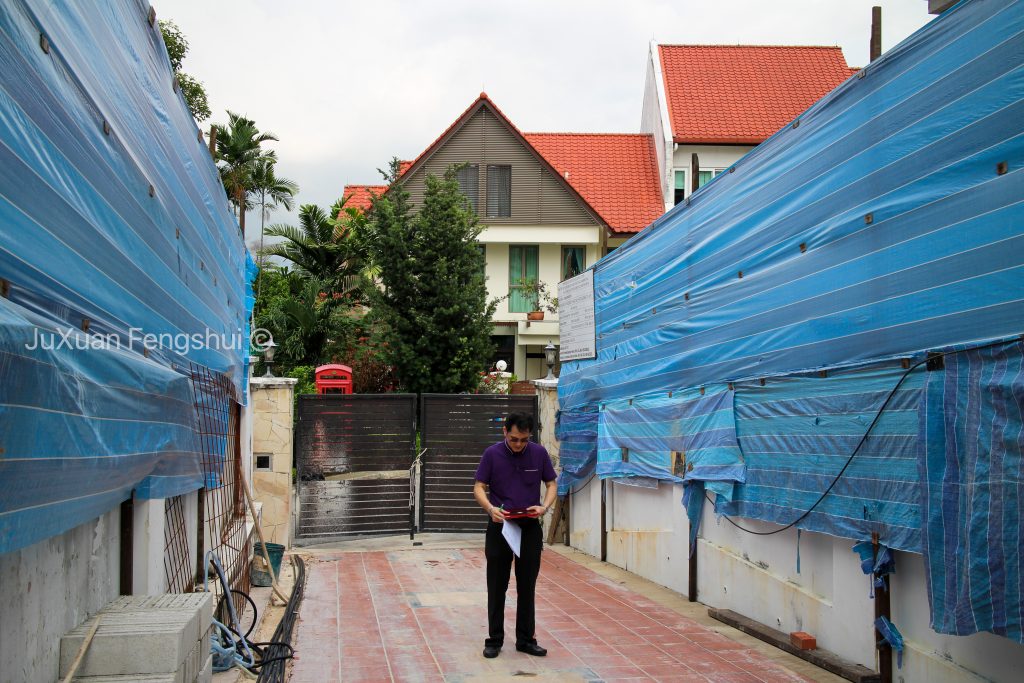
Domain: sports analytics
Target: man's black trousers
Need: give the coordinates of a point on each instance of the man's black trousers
(499, 568)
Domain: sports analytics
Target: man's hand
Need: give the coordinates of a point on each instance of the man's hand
(498, 514)
(536, 510)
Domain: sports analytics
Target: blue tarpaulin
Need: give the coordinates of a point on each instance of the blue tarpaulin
(973, 492)
(877, 225)
(883, 223)
(121, 263)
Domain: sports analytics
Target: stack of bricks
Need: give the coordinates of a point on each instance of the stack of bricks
(145, 638)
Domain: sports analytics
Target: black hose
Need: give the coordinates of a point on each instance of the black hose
(277, 652)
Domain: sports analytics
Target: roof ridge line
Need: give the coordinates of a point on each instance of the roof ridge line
(813, 47)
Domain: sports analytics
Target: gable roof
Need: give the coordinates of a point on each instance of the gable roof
(359, 195)
(616, 173)
(483, 101)
(742, 94)
(614, 177)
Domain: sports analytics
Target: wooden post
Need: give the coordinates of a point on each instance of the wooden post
(692, 588)
(882, 609)
(201, 567)
(127, 550)
(604, 524)
(876, 33)
(213, 141)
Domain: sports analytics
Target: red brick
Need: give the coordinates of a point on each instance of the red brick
(803, 640)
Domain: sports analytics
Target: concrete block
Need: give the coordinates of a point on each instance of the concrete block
(155, 642)
(206, 675)
(131, 678)
(203, 602)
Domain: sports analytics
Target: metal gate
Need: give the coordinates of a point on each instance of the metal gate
(455, 429)
(353, 457)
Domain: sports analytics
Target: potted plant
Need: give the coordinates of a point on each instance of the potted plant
(541, 297)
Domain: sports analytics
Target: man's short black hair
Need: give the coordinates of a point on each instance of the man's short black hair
(524, 422)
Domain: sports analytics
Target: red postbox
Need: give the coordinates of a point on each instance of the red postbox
(334, 379)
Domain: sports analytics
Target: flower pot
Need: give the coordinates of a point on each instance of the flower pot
(535, 315)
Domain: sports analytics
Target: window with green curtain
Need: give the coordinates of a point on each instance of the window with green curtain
(573, 262)
(703, 177)
(680, 188)
(522, 267)
(468, 177)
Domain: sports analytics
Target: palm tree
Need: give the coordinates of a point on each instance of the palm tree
(270, 192)
(325, 247)
(238, 150)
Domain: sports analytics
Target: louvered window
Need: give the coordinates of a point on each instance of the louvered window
(468, 177)
(499, 191)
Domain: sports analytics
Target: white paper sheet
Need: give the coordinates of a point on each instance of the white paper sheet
(513, 533)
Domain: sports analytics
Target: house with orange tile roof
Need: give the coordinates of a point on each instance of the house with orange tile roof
(550, 202)
(708, 105)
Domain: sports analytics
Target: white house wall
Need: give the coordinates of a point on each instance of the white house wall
(653, 120)
(756, 576)
(52, 587)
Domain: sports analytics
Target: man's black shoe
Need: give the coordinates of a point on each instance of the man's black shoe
(491, 651)
(532, 649)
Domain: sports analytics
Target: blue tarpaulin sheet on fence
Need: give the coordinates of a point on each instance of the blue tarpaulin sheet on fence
(877, 227)
(797, 432)
(882, 223)
(973, 489)
(122, 266)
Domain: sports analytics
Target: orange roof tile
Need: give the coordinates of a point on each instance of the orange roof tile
(359, 195)
(742, 94)
(617, 174)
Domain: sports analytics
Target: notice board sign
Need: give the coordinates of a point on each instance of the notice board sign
(576, 328)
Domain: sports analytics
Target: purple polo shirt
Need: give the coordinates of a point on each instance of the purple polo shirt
(514, 478)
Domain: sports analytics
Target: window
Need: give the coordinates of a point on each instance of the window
(680, 189)
(468, 177)
(704, 177)
(573, 262)
(499, 191)
(263, 461)
(522, 268)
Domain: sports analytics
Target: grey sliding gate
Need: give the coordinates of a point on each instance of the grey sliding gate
(455, 429)
(353, 453)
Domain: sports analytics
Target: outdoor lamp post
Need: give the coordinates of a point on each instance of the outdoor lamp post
(549, 358)
(268, 357)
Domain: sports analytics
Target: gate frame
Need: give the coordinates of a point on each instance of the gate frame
(421, 498)
(303, 541)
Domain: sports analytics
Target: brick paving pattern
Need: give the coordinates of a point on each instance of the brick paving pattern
(420, 615)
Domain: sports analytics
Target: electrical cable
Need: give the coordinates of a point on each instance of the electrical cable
(931, 357)
(279, 650)
(573, 493)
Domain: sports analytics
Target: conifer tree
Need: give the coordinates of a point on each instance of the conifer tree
(432, 300)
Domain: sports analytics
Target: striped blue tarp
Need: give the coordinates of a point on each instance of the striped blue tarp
(884, 221)
(576, 432)
(638, 439)
(121, 263)
(972, 432)
(797, 432)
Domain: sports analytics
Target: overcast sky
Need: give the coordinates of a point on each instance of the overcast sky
(348, 85)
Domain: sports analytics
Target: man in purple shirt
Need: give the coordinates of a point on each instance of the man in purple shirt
(508, 479)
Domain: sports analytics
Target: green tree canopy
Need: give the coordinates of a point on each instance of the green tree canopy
(327, 246)
(239, 151)
(432, 300)
(192, 89)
